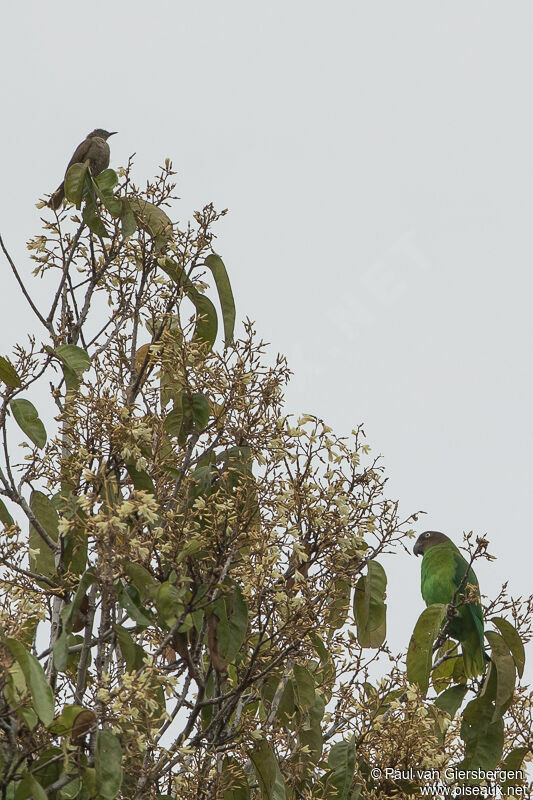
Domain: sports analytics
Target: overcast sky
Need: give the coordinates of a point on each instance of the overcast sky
(376, 158)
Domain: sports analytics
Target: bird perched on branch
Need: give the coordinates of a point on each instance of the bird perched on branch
(94, 149)
(447, 578)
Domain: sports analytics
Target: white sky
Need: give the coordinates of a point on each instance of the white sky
(376, 158)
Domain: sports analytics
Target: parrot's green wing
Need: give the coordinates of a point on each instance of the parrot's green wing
(443, 571)
(468, 627)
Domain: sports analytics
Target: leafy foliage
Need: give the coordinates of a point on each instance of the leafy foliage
(191, 595)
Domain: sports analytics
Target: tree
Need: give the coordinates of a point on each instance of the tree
(191, 601)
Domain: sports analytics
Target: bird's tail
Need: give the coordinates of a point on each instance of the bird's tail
(473, 655)
(57, 197)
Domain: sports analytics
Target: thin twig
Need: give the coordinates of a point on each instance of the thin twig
(34, 308)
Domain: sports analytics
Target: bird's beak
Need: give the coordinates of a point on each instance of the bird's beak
(416, 549)
(112, 133)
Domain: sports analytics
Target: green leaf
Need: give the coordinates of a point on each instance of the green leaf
(459, 674)
(513, 642)
(173, 420)
(48, 767)
(512, 763)
(192, 547)
(227, 303)
(27, 630)
(68, 616)
(490, 683)
(174, 271)
(28, 420)
(505, 670)
(374, 596)
(113, 205)
(232, 613)
(234, 781)
(29, 717)
(153, 220)
(74, 357)
(5, 516)
(74, 722)
(483, 738)
(42, 558)
(209, 692)
(441, 676)
(305, 687)
(72, 381)
(132, 653)
(237, 460)
(75, 550)
(169, 603)
(8, 374)
(71, 790)
(451, 699)
(269, 687)
(369, 607)
(324, 675)
(341, 760)
(158, 323)
(73, 659)
(420, 653)
(207, 322)
(75, 182)
(200, 483)
(195, 413)
(91, 218)
(106, 181)
(310, 735)
(170, 388)
(237, 478)
(127, 219)
(89, 781)
(74, 362)
(143, 581)
(41, 692)
(107, 762)
(201, 410)
(70, 612)
(287, 704)
(15, 691)
(30, 787)
(267, 771)
(127, 597)
(141, 480)
(339, 593)
(64, 722)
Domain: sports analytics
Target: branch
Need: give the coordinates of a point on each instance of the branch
(36, 576)
(64, 275)
(83, 664)
(33, 307)
(449, 654)
(76, 648)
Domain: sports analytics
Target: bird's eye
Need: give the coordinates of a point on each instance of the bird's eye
(427, 535)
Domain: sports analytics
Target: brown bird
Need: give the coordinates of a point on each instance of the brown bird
(94, 149)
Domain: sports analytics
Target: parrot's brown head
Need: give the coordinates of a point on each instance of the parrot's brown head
(429, 539)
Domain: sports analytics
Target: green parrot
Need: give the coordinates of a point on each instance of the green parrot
(443, 571)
